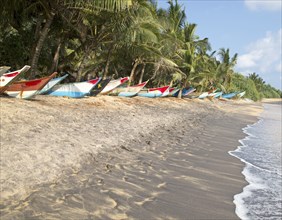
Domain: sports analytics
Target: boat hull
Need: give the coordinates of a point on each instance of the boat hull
(229, 95)
(99, 87)
(51, 84)
(185, 92)
(132, 90)
(155, 92)
(203, 95)
(28, 89)
(9, 78)
(113, 84)
(74, 90)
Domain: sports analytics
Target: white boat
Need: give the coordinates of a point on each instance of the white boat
(74, 90)
(51, 84)
(113, 84)
(8, 78)
(4, 69)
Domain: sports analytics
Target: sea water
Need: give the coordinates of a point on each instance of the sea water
(261, 151)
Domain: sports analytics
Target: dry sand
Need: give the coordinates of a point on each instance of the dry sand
(121, 158)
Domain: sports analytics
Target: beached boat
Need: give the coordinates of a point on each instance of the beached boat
(185, 92)
(132, 90)
(203, 95)
(29, 88)
(113, 84)
(172, 91)
(51, 84)
(4, 69)
(99, 87)
(74, 90)
(229, 95)
(241, 94)
(8, 78)
(154, 92)
(218, 94)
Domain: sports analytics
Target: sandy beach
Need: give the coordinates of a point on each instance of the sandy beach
(109, 157)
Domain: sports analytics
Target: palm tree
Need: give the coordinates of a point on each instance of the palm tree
(226, 67)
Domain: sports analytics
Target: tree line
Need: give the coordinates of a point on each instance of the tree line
(115, 38)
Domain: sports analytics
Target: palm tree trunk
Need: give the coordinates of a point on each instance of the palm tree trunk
(106, 70)
(36, 36)
(40, 43)
(131, 78)
(180, 93)
(55, 62)
(142, 73)
(82, 66)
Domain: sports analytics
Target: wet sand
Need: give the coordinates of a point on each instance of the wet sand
(121, 158)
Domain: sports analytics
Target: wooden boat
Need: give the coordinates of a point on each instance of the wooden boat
(185, 92)
(51, 84)
(8, 78)
(154, 92)
(218, 94)
(172, 91)
(4, 69)
(29, 88)
(132, 90)
(99, 87)
(203, 95)
(74, 90)
(229, 95)
(113, 84)
(241, 94)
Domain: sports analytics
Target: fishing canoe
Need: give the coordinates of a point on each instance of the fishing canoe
(154, 92)
(218, 94)
(241, 94)
(172, 91)
(113, 84)
(185, 92)
(51, 84)
(29, 88)
(8, 78)
(99, 87)
(4, 69)
(229, 95)
(203, 95)
(74, 90)
(132, 90)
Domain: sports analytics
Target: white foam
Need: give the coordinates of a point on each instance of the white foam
(255, 183)
(260, 179)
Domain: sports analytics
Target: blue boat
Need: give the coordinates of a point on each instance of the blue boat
(185, 92)
(218, 94)
(229, 95)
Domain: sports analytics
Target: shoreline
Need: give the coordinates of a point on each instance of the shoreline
(111, 157)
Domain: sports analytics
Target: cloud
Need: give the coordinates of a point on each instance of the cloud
(263, 57)
(271, 5)
(264, 54)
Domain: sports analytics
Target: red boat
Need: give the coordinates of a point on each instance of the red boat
(28, 89)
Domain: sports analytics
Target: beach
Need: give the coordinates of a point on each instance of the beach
(110, 157)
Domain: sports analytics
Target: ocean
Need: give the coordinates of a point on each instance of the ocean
(261, 151)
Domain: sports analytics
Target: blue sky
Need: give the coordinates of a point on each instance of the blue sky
(251, 28)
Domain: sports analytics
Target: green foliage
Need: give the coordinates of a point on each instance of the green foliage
(14, 47)
(241, 83)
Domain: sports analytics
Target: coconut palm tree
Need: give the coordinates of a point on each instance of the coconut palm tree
(226, 67)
